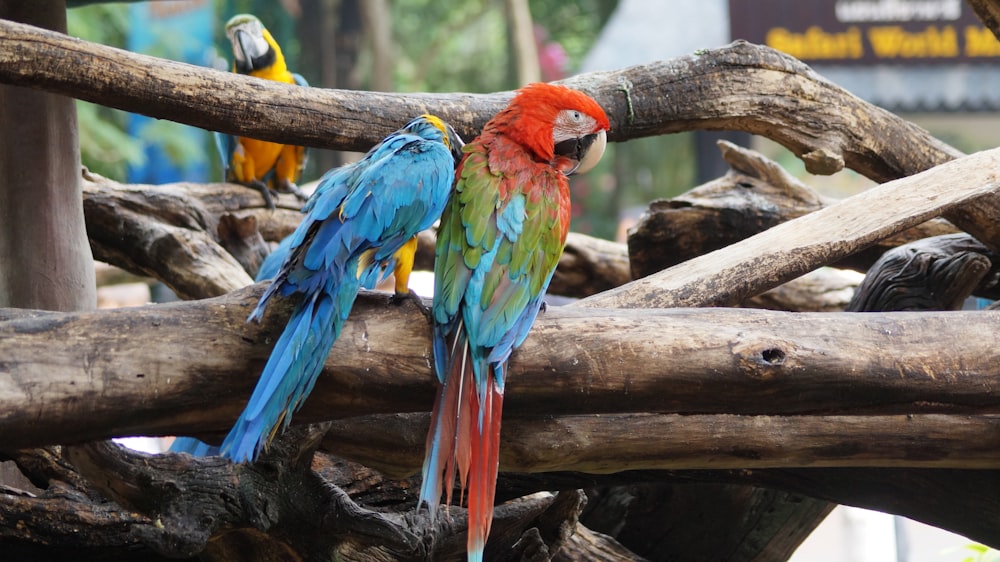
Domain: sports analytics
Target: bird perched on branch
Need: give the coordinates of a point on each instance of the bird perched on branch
(265, 166)
(360, 225)
(500, 239)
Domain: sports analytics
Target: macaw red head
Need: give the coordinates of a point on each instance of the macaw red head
(562, 126)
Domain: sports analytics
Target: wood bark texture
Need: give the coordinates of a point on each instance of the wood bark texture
(126, 364)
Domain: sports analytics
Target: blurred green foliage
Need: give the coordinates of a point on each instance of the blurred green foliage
(105, 145)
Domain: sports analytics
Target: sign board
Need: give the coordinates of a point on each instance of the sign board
(866, 32)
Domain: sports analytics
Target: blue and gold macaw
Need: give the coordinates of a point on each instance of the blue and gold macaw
(359, 226)
(263, 165)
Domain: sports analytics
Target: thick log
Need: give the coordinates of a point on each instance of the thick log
(737, 87)
(783, 252)
(162, 232)
(46, 260)
(154, 369)
(607, 443)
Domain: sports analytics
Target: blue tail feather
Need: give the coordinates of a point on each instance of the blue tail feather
(193, 446)
(292, 369)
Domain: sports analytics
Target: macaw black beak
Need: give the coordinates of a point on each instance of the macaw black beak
(242, 46)
(585, 151)
(249, 54)
(456, 143)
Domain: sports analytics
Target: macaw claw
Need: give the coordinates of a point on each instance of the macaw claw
(285, 186)
(398, 299)
(264, 190)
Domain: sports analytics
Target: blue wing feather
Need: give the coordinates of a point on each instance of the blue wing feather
(226, 145)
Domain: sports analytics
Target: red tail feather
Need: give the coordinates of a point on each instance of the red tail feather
(485, 463)
(463, 450)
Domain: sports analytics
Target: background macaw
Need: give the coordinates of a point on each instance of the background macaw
(500, 239)
(263, 165)
(359, 227)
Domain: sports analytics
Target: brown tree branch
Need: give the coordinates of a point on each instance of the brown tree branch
(172, 232)
(753, 196)
(151, 370)
(988, 12)
(606, 443)
(728, 276)
(737, 87)
(891, 490)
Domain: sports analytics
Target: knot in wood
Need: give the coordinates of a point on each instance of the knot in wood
(762, 360)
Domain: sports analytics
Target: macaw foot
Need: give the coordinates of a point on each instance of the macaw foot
(265, 191)
(298, 193)
(400, 298)
(543, 307)
(285, 186)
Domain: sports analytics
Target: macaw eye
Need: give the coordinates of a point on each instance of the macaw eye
(576, 116)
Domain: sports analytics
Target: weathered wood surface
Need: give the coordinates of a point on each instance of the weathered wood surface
(728, 276)
(176, 506)
(165, 232)
(681, 522)
(151, 370)
(608, 443)
(823, 290)
(891, 490)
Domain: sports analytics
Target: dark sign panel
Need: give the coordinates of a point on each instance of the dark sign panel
(866, 31)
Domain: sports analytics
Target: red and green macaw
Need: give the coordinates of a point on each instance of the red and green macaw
(263, 165)
(500, 238)
(358, 228)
